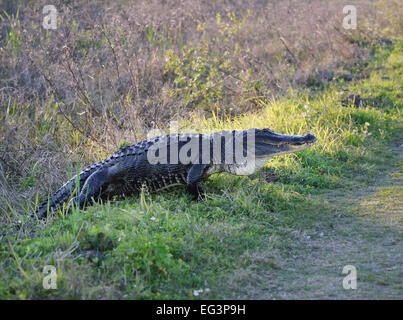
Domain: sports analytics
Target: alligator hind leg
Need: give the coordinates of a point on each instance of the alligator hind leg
(91, 188)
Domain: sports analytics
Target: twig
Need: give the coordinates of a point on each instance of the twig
(284, 42)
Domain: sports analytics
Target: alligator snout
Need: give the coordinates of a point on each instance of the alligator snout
(303, 140)
(310, 138)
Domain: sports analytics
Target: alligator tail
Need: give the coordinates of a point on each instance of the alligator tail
(56, 201)
(65, 193)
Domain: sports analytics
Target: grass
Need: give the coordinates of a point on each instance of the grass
(251, 239)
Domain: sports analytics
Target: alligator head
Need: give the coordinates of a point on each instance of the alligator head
(261, 145)
(269, 143)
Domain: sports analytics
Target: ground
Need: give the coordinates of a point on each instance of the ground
(362, 227)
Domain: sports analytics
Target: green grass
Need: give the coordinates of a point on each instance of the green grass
(250, 238)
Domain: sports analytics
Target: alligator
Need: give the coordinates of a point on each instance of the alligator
(170, 161)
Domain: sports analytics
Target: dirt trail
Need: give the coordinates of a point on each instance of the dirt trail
(364, 229)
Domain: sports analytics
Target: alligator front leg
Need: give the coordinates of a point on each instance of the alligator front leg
(91, 188)
(195, 174)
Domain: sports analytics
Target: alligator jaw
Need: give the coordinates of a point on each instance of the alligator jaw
(269, 143)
